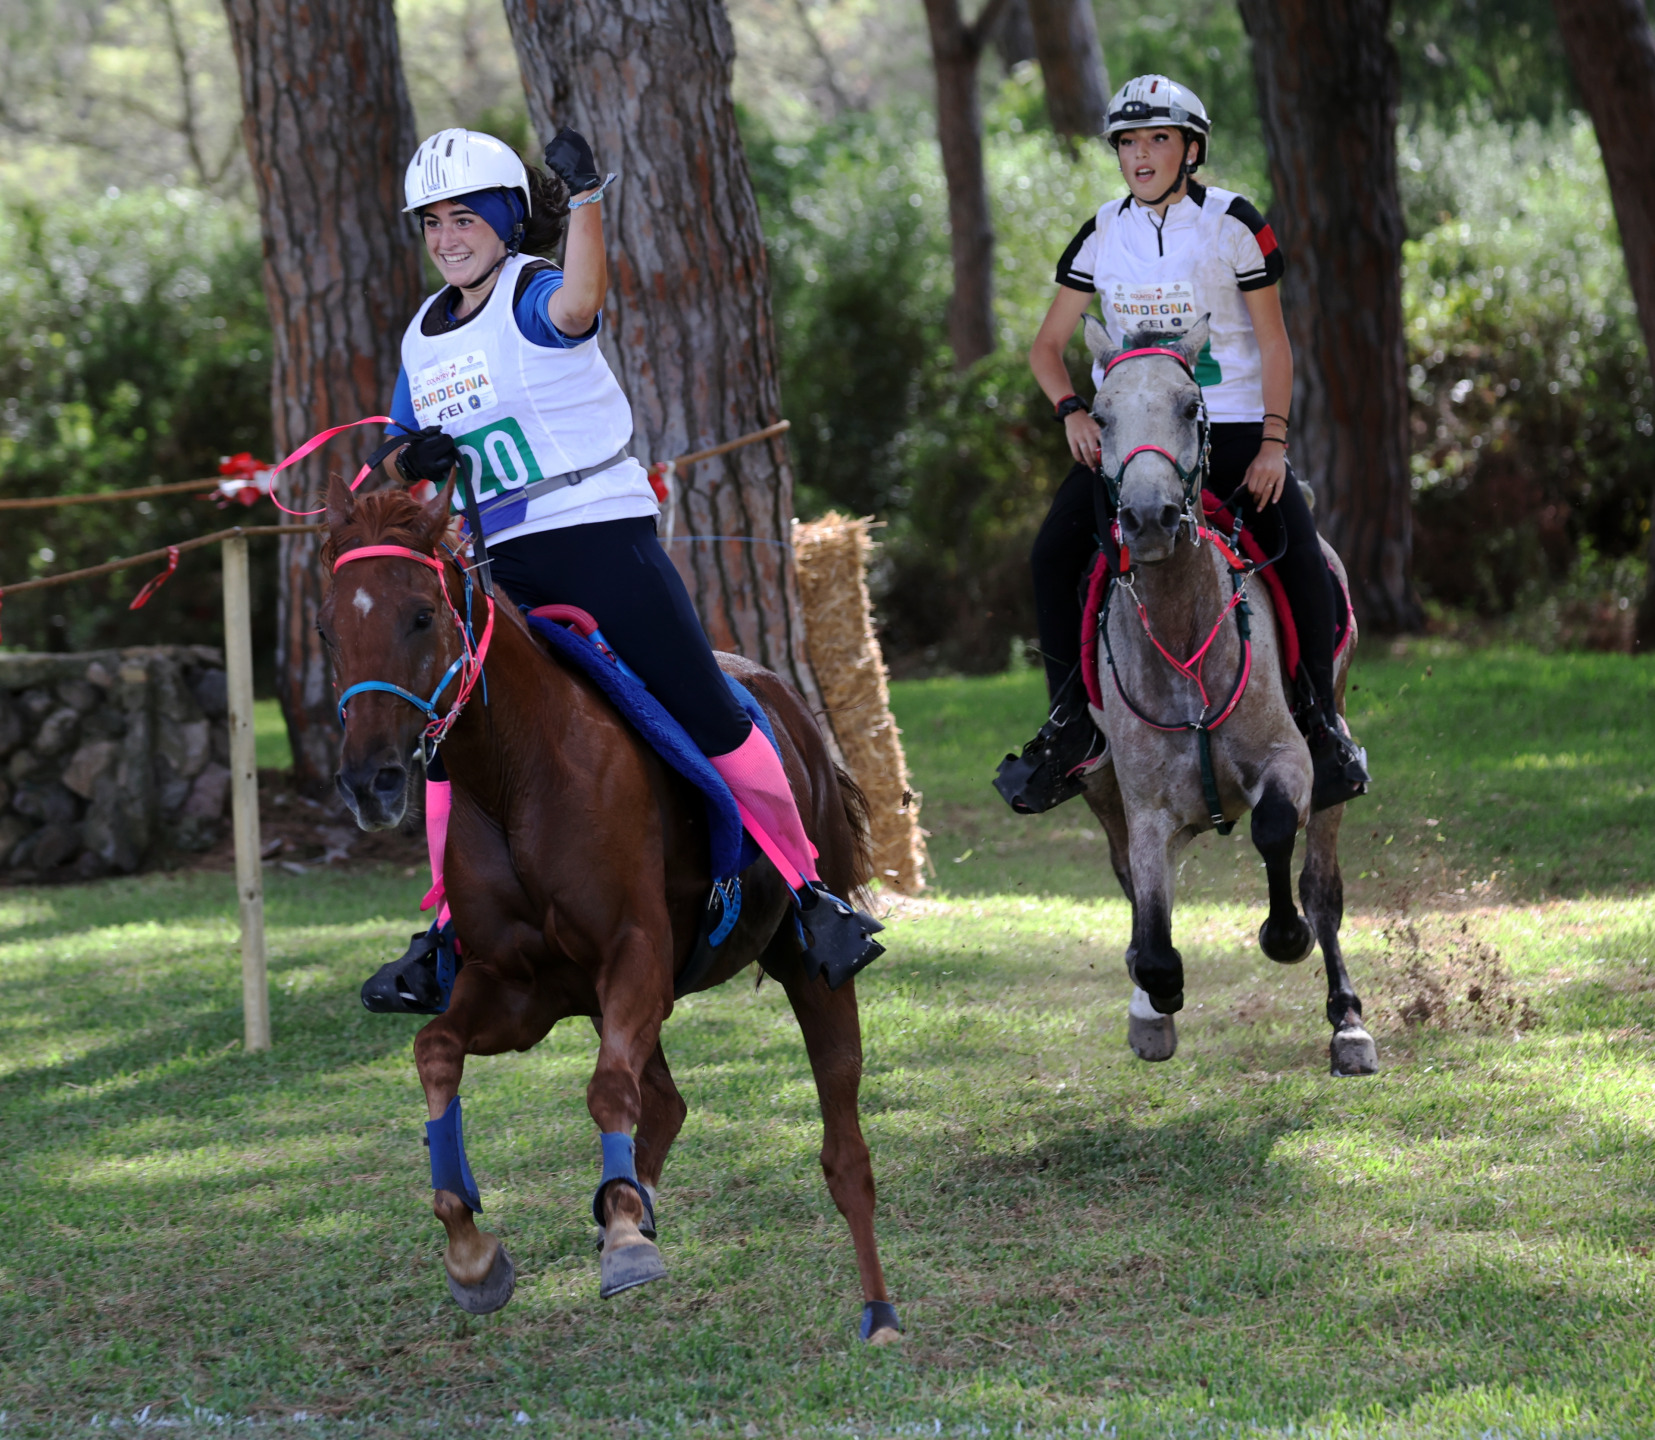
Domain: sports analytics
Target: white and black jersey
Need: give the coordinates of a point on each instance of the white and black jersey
(1165, 274)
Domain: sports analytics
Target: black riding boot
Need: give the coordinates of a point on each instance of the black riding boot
(1054, 765)
(409, 985)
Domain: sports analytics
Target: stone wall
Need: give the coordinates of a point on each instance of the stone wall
(111, 759)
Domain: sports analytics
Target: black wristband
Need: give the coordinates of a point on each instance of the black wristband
(1067, 406)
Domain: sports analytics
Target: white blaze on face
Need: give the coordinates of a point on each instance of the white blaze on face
(364, 602)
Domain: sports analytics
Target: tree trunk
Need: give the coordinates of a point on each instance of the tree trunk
(1014, 35)
(1327, 81)
(956, 49)
(687, 322)
(329, 131)
(1071, 62)
(1611, 49)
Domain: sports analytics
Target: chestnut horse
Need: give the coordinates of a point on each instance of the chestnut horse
(577, 871)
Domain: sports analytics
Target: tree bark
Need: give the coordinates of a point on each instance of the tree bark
(328, 130)
(1014, 35)
(687, 322)
(1328, 84)
(956, 49)
(1611, 49)
(1071, 63)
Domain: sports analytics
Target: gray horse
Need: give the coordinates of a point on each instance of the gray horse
(1157, 790)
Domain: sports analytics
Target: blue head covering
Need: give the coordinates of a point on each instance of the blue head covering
(503, 210)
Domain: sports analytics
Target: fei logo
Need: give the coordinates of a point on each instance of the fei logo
(452, 389)
(498, 458)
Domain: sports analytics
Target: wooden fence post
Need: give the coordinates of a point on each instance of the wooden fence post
(244, 792)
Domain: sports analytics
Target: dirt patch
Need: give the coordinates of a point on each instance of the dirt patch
(1439, 973)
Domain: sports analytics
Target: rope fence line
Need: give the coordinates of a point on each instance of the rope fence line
(165, 552)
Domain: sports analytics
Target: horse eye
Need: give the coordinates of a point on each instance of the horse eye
(422, 621)
(1192, 409)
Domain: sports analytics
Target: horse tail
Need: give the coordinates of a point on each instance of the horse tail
(855, 805)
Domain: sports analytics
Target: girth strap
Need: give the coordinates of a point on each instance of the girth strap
(548, 485)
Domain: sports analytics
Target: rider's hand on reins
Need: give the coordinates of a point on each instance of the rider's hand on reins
(1266, 476)
(1085, 438)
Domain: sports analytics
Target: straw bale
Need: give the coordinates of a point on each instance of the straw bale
(832, 556)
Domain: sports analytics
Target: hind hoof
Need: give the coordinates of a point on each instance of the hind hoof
(1151, 1035)
(1288, 945)
(1354, 1053)
(628, 1267)
(493, 1292)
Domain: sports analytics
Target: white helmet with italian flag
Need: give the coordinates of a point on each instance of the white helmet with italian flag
(1147, 99)
(462, 162)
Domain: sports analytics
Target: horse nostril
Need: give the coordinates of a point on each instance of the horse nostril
(1169, 517)
(389, 781)
(1130, 524)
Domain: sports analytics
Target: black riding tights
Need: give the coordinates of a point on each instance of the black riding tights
(617, 571)
(1080, 513)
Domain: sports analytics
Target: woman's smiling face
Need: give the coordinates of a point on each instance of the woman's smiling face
(1149, 159)
(464, 246)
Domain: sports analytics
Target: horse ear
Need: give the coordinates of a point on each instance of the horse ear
(1194, 340)
(341, 503)
(438, 514)
(1097, 339)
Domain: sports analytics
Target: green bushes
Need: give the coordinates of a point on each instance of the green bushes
(134, 349)
(1532, 400)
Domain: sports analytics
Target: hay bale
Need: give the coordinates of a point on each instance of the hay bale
(832, 557)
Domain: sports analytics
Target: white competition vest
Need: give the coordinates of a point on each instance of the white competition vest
(522, 412)
(1168, 280)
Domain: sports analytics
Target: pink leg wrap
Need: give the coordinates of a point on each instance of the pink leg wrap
(439, 799)
(754, 773)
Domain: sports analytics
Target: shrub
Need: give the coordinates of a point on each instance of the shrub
(1531, 392)
(134, 345)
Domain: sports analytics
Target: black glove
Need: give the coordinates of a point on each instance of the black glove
(430, 455)
(570, 158)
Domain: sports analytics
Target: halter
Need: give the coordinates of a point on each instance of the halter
(1190, 479)
(469, 666)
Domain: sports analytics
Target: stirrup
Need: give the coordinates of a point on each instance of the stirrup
(1339, 766)
(412, 984)
(1054, 765)
(838, 937)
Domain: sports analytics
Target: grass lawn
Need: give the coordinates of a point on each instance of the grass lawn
(1229, 1245)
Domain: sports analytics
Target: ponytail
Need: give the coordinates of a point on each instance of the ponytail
(548, 215)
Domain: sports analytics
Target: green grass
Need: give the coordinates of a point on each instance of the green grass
(1228, 1245)
(270, 736)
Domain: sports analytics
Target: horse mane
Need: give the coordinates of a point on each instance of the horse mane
(391, 516)
(382, 517)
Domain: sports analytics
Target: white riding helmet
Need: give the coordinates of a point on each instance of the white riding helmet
(459, 162)
(1144, 99)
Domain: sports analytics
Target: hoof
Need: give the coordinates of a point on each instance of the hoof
(494, 1291)
(1288, 944)
(1354, 1052)
(880, 1325)
(1152, 1036)
(629, 1266)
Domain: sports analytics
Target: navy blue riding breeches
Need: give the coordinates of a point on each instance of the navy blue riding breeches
(1080, 513)
(617, 571)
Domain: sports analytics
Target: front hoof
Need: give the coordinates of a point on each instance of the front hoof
(1288, 943)
(1151, 1035)
(493, 1292)
(880, 1325)
(1354, 1052)
(628, 1266)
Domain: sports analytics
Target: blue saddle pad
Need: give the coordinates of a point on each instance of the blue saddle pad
(732, 849)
